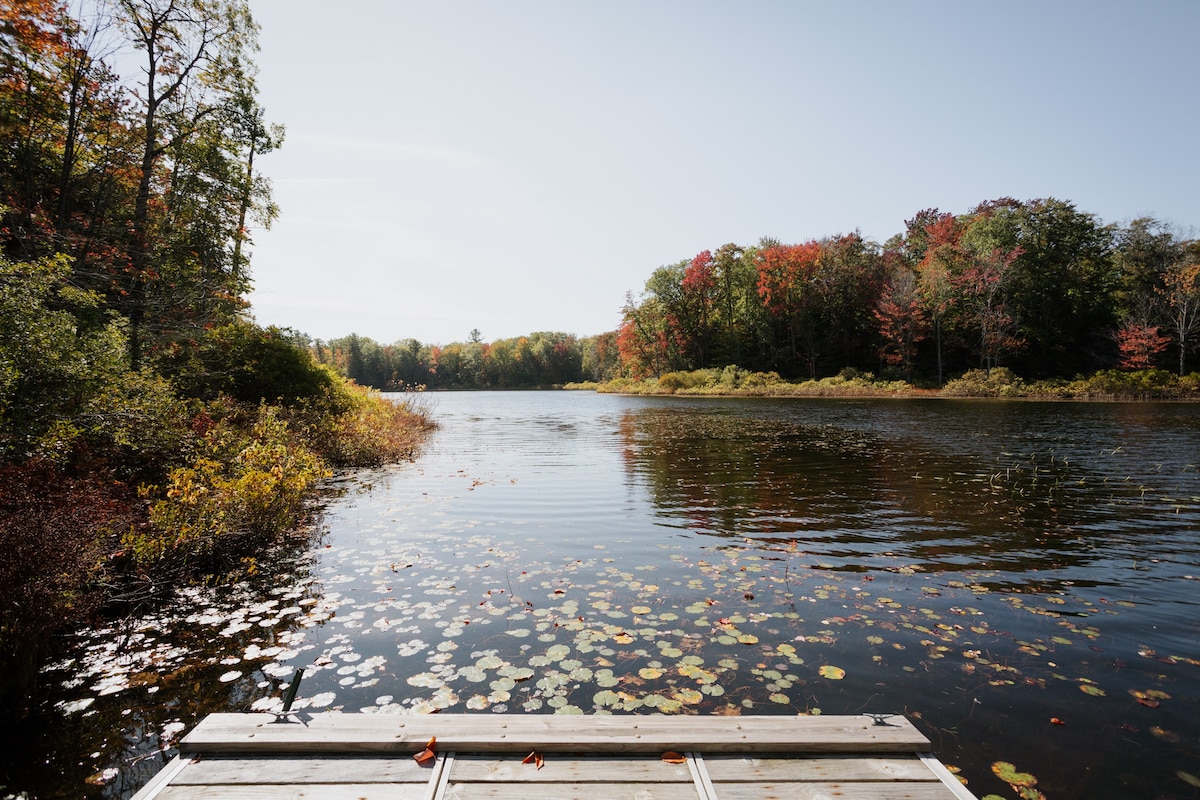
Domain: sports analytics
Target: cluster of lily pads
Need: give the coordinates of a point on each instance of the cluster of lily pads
(755, 627)
(416, 612)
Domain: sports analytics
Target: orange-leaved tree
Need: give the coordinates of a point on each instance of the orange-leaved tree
(786, 284)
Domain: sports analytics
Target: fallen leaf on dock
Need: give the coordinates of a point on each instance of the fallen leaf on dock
(427, 754)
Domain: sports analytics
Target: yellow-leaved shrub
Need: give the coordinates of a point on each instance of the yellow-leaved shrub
(240, 490)
(361, 427)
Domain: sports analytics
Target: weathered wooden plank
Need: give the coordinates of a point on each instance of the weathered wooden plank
(588, 791)
(946, 776)
(838, 768)
(565, 768)
(482, 733)
(346, 791)
(242, 756)
(842, 791)
(217, 770)
(165, 776)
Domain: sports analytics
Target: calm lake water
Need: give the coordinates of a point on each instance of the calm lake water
(1020, 579)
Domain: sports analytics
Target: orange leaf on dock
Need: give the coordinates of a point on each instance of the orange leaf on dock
(426, 755)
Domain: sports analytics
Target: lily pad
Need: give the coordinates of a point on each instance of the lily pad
(1008, 773)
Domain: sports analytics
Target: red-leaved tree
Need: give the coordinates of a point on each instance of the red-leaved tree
(901, 318)
(693, 320)
(1139, 344)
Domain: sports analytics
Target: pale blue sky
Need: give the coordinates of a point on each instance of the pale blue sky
(518, 166)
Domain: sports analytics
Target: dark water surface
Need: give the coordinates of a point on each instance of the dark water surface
(1020, 579)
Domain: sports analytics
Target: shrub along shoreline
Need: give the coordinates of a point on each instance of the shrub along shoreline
(999, 382)
(129, 486)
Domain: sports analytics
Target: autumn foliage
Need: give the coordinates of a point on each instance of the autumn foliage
(150, 434)
(787, 277)
(1140, 345)
(1036, 286)
(53, 530)
(902, 320)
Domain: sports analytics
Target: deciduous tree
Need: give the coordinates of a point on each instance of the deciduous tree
(934, 237)
(1144, 250)
(196, 72)
(849, 278)
(787, 285)
(1060, 287)
(983, 287)
(901, 316)
(643, 338)
(698, 308)
(1181, 290)
(1139, 345)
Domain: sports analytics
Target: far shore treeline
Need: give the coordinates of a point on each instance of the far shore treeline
(1007, 293)
(151, 434)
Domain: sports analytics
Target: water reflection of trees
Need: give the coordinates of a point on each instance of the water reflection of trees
(126, 690)
(857, 498)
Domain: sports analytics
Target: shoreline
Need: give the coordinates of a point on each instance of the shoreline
(1109, 386)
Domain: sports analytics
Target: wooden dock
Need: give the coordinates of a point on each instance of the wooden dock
(540, 757)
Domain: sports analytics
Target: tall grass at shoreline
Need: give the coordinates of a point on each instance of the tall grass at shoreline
(999, 382)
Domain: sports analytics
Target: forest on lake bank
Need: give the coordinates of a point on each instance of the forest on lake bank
(151, 434)
(1063, 303)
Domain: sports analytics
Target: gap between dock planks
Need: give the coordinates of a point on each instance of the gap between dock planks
(479, 733)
